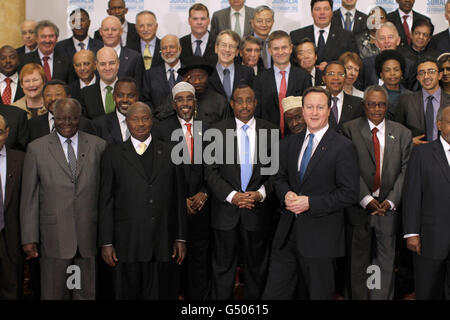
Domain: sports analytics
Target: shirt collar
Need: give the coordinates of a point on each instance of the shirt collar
(82, 84)
(120, 116)
(251, 123)
(436, 95)
(85, 41)
(241, 12)
(117, 49)
(445, 144)
(380, 127)
(277, 70)
(410, 14)
(316, 29)
(319, 134)
(41, 55)
(3, 151)
(14, 77)
(152, 42)
(340, 96)
(136, 142)
(344, 11)
(63, 139)
(125, 26)
(175, 67)
(204, 38)
(103, 85)
(183, 122)
(220, 68)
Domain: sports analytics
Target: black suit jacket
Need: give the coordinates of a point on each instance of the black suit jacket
(21, 50)
(352, 108)
(67, 47)
(140, 215)
(107, 127)
(132, 36)
(39, 127)
(410, 111)
(155, 87)
(394, 17)
(91, 101)
(224, 178)
(62, 65)
(14, 164)
(156, 59)
(209, 53)
(131, 64)
(75, 90)
(359, 22)
(331, 182)
(338, 41)
(441, 41)
(242, 75)
(19, 92)
(425, 199)
(266, 92)
(18, 127)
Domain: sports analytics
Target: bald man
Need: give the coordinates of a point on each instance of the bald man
(131, 62)
(142, 209)
(85, 68)
(28, 37)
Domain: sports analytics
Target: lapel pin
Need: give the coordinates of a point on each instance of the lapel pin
(159, 152)
(359, 18)
(324, 148)
(126, 57)
(391, 136)
(10, 175)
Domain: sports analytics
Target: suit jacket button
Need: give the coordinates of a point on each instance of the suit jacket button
(150, 201)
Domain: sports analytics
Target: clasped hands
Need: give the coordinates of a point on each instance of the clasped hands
(246, 199)
(377, 208)
(196, 202)
(295, 203)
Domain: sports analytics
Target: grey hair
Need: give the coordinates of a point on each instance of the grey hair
(67, 101)
(262, 8)
(441, 110)
(44, 24)
(389, 25)
(375, 88)
(146, 12)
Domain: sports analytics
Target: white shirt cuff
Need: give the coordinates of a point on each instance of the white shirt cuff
(262, 190)
(365, 201)
(409, 235)
(230, 196)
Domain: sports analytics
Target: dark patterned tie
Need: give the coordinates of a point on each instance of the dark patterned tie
(198, 50)
(429, 119)
(72, 158)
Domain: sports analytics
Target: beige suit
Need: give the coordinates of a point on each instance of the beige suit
(59, 212)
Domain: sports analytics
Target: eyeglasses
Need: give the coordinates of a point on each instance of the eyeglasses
(373, 104)
(430, 72)
(332, 74)
(183, 99)
(223, 45)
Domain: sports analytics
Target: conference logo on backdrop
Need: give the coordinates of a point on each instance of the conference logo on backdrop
(180, 5)
(87, 5)
(285, 5)
(388, 5)
(224, 4)
(436, 6)
(135, 5)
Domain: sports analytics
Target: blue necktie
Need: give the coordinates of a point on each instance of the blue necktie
(306, 157)
(246, 164)
(227, 83)
(198, 50)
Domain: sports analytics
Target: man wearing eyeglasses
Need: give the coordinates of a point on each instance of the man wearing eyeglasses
(383, 148)
(344, 107)
(418, 110)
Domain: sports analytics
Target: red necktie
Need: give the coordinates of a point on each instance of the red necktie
(6, 96)
(376, 148)
(190, 140)
(48, 74)
(281, 96)
(406, 29)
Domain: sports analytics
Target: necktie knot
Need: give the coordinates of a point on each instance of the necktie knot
(430, 98)
(405, 17)
(109, 89)
(81, 44)
(311, 137)
(45, 58)
(245, 127)
(142, 148)
(335, 99)
(236, 14)
(375, 130)
(69, 141)
(348, 14)
(226, 71)
(321, 32)
(199, 42)
(283, 73)
(188, 126)
(8, 81)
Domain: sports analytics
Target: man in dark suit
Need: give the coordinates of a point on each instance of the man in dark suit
(131, 62)
(149, 44)
(28, 37)
(317, 179)
(198, 273)
(331, 41)
(306, 57)
(250, 54)
(348, 18)
(85, 68)
(344, 107)
(200, 42)
(10, 88)
(383, 148)
(11, 258)
(417, 111)
(58, 209)
(425, 211)
(129, 37)
(97, 99)
(143, 188)
(262, 23)
(281, 81)
(228, 74)
(403, 18)
(80, 40)
(441, 41)
(112, 127)
(235, 17)
(293, 114)
(239, 205)
(57, 65)
(18, 128)
(159, 80)
(44, 124)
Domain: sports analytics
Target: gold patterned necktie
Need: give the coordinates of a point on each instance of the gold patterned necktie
(142, 148)
(147, 57)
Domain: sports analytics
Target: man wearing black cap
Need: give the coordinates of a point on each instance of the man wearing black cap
(211, 106)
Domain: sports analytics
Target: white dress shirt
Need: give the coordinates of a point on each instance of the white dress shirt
(279, 76)
(409, 20)
(340, 103)
(93, 81)
(51, 121)
(14, 83)
(175, 69)
(317, 33)
(123, 37)
(103, 90)
(352, 17)
(3, 171)
(202, 45)
(313, 76)
(76, 43)
(136, 142)
(64, 144)
(317, 138)
(241, 19)
(118, 49)
(50, 60)
(251, 133)
(123, 125)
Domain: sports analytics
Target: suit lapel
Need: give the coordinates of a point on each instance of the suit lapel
(438, 152)
(293, 161)
(114, 127)
(162, 75)
(389, 141)
(419, 108)
(132, 157)
(157, 158)
(319, 153)
(346, 110)
(57, 152)
(227, 19)
(83, 151)
(331, 40)
(11, 169)
(237, 76)
(364, 128)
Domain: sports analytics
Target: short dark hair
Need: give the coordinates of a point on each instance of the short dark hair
(319, 90)
(250, 39)
(422, 22)
(313, 2)
(126, 79)
(241, 86)
(57, 82)
(278, 34)
(199, 7)
(424, 59)
(386, 55)
(334, 62)
(79, 10)
(71, 101)
(306, 40)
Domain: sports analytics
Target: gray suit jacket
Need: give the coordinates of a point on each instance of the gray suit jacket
(56, 212)
(397, 149)
(221, 21)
